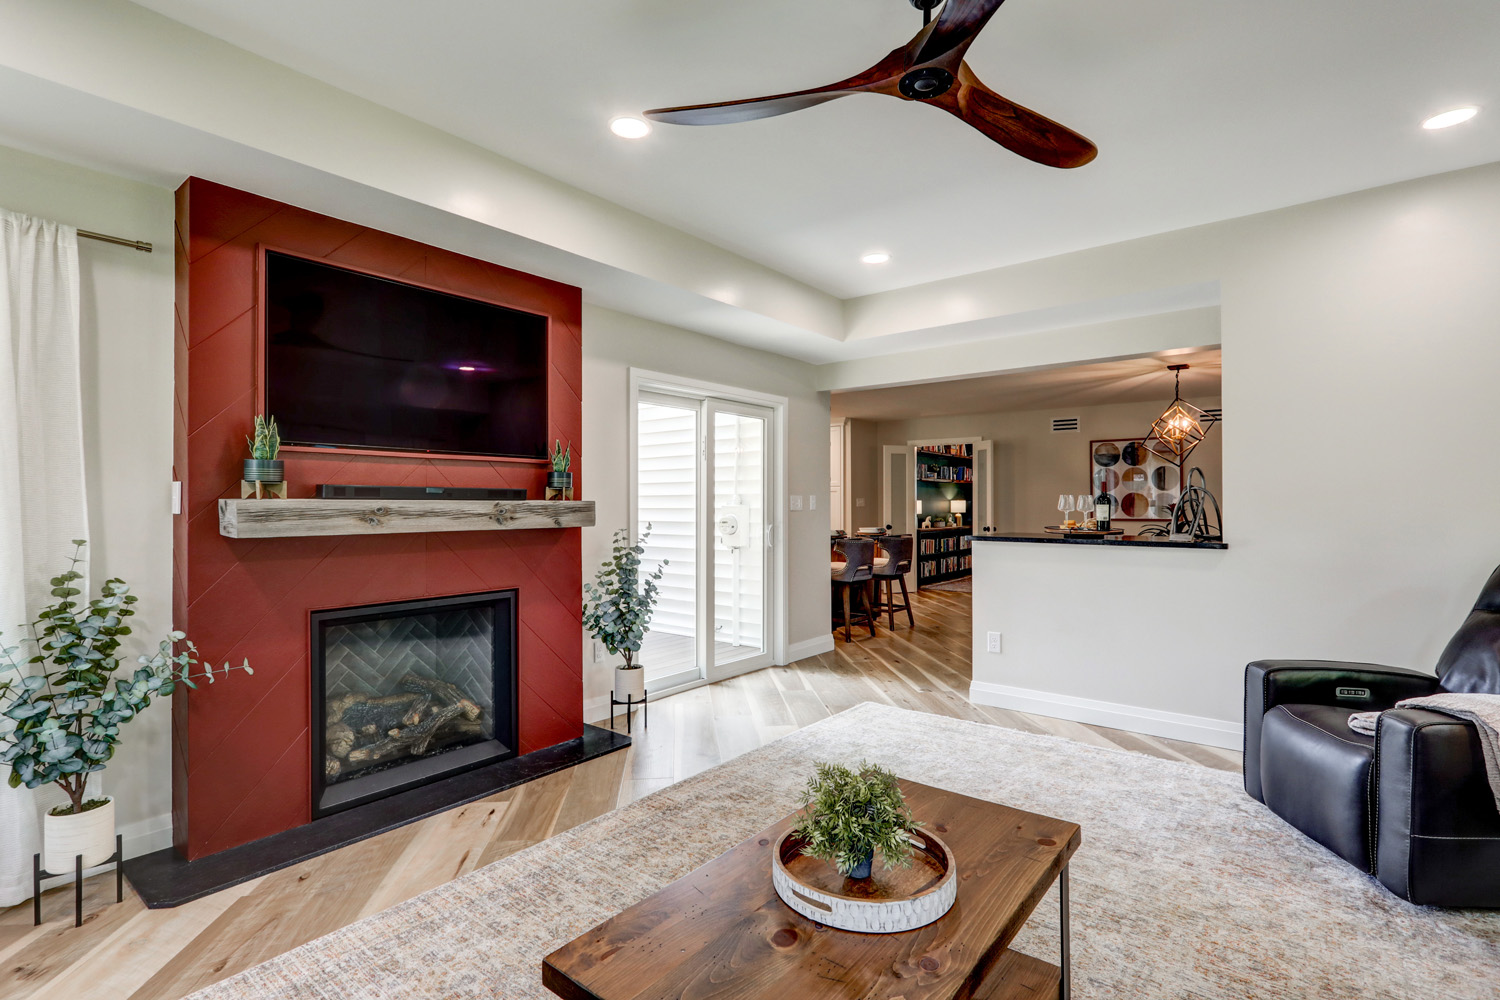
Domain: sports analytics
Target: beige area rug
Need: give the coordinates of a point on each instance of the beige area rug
(1184, 886)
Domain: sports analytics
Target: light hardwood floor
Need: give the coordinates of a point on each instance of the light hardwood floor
(127, 951)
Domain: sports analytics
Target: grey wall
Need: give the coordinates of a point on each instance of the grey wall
(1361, 340)
(613, 344)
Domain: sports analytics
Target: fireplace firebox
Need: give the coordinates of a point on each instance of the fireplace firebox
(408, 692)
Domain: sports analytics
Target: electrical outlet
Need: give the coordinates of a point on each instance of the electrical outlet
(796, 501)
(859, 501)
(598, 650)
(812, 501)
(992, 642)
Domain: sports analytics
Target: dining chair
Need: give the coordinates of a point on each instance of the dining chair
(856, 570)
(888, 572)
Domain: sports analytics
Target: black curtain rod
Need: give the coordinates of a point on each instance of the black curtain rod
(120, 241)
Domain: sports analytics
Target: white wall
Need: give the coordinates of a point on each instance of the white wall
(126, 359)
(1361, 340)
(613, 343)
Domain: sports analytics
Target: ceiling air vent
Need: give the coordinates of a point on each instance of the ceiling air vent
(1064, 425)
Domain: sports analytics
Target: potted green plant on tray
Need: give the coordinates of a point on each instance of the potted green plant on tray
(618, 611)
(265, 444)
(849, 814)
(67, 716)
(560, 479)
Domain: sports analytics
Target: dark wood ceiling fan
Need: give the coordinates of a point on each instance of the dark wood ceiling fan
(931, 69)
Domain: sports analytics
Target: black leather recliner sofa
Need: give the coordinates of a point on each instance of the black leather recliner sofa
(1410, 805)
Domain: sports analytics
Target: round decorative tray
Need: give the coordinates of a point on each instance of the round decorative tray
(891, 900)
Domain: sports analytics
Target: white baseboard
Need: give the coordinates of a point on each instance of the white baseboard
(1153, 722)
(809, 647)
(595, 708)
(147, 835)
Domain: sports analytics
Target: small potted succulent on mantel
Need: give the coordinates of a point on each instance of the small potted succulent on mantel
(68, 714)
(620, 602)
(560, 479)
(265, 444)
(849, 814)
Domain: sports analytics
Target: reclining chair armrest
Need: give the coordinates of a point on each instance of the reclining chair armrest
(1269, 683)
(1435, 823)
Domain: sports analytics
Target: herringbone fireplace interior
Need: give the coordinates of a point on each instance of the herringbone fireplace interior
(409, 692)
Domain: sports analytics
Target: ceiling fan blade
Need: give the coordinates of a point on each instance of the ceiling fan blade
(954, 30)
(726, 112)
(1018, 129)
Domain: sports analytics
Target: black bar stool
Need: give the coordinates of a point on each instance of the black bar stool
(897, 550)
(855, 571)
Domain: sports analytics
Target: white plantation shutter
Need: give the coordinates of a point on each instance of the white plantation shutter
(667, 499)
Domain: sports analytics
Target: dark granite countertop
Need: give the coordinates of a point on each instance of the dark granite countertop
(1137, 541)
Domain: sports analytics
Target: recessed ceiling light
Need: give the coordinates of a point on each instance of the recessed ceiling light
(1450, 118)
(879, 257)
(630, 128)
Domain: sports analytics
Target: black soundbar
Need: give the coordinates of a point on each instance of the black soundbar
(334, 491)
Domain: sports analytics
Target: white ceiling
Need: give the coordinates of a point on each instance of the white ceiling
(1202, 111)
(1124, 381)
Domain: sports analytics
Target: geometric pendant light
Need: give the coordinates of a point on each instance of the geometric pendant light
(1179, 429)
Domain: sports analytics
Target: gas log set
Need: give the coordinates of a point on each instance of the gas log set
(424, 716)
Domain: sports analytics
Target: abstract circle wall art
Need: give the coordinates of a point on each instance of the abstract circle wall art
(1142, 486)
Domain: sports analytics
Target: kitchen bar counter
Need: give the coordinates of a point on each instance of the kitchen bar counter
(1118, 541)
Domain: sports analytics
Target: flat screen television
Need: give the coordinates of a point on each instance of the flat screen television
(357, 361)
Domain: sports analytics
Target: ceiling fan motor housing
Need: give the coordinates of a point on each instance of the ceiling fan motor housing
(926, 83)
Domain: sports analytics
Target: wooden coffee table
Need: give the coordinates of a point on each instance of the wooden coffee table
(722, 932)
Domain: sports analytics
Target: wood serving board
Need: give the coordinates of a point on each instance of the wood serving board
(1057, 529)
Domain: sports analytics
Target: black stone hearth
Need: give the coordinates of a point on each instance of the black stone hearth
(164, 878)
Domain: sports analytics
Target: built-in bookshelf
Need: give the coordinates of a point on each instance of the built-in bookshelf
(945, 473)
(943, 554)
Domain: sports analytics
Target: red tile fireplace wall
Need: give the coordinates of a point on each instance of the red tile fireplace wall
(241, 749)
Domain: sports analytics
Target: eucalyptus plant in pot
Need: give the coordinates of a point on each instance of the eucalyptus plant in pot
(619, 606)
(850, 813)
(265, 444)
(65, 717)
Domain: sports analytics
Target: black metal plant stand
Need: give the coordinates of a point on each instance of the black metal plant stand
(630, 703)
(117, 859)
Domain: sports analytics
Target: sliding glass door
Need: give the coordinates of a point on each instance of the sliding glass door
(703, 487)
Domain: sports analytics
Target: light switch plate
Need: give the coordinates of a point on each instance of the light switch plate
(812, 501)
(796, 503)
(176, 497)
(859, 501)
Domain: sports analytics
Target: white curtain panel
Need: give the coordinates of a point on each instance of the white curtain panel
(42, 503)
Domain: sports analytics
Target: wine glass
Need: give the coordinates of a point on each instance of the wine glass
(1065, 505)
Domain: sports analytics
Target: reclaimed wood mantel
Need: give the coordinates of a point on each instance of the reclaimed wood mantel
(299, 518)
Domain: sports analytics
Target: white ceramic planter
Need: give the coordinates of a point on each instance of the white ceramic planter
(631, 683)
(91, 834)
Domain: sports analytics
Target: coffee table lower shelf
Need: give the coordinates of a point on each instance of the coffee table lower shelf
(1018, 976)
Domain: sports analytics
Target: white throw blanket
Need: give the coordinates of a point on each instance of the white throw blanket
(1483, 710)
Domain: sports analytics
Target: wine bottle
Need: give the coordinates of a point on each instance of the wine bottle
(1102, 507)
